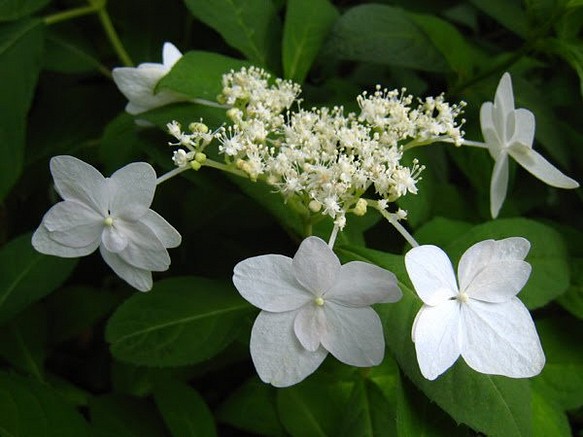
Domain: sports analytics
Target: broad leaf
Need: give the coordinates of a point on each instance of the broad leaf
(384, 35)
(181, 321)
(307, 23)
(250, 26)
(26, 275)
(184, 411)
(509, 13)
(548, 419)
(14, 9)
(20, 59)
(572, 300)
(29, 408)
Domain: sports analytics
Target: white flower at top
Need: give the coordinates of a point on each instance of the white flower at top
(111, 214)
(138, 84)
(510, 131)
(312, 305)
(480, 319)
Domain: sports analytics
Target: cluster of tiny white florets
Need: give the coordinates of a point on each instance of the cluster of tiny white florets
(322, 157)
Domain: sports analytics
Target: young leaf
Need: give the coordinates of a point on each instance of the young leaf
(307, 23)
(250, 26)
(181, 321)
(198, 74)
(384, 35)
(29, 408)
(26, 275)
(20, 59)
(184, 411)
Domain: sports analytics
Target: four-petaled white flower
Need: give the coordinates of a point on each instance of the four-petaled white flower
(311, 306)
(110, 213)
(138, 84)
(510, 131)
(482, 320)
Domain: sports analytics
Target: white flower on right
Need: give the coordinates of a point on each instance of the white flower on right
(138, 84)
(481, 319)
(510, 131)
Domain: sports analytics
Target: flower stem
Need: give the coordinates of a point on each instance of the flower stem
(112, 34)
(70, 14)
(475, 144)
(333, 236)
(171, 174)
(392, 219)
(225, 168)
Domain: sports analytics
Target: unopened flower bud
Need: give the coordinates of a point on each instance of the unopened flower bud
(198, 127)
(195, 165)
(360, 207)
(315, 206)
(200, 157)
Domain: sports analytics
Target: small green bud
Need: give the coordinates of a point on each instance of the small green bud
(360, 207)
(200, 157)
(195, 165)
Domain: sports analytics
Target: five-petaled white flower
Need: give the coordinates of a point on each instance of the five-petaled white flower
(138, 84)
(110, 213)
(510, 131)
(311, 306)
(482, 320)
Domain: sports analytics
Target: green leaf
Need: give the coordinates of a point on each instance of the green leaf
(548, 258)
(571, 51)
(572, 300)
(252, 408)
(20, 58)
(548, 419)
(122, 416)
(23, 341)
(26, 275)
(562, 377)
(184, 411)
(449, 41)
(493, 405)
(181, 321)
(68, 52)
(29, 408)
(199, 74)
(441, 231)
(384, 35)
(250, 26)
(315, 407)
(307, 23)
(509, 13)
(74, 310)
(14, 9)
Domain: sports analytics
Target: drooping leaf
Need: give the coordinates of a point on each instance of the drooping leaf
(307, 23)
(250, 26)
(384, 35)
(29, 408)
(184, 411)
(26, 275)
(181, 321)
(252, 408)
(20, 58)
(199, 74)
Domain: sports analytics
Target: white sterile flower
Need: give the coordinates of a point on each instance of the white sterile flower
(510, 131)
(481, 319)
(111, 214)
(311, 306)
(138, 84)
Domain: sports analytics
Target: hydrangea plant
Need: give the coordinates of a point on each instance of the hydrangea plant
(322, 177)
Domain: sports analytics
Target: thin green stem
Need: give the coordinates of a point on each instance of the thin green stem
(70, 14)
(333, 236)
(171, 174)
(225, 168)
(113, 37)
(392, 219)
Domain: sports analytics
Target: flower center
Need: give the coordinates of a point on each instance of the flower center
(463, 297)
(319, 301)
(108, 221)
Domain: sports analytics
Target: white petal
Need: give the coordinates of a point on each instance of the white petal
(309, 324)
(73, 224)
(494, 271)
(541, 168)
(504, 108)
(498, 184)
(76, 180)
(353, 335)
(315, 266)
(431, 273)
(170, 54)
(489, 132)
(362, 284)
(436, 335)
(163, 230)
(43, 243)
(138, 278)
(277, 354)
(501, 339)
(131, 190)
(524, 128)
(113, 239)
(143, 250)
(268, 283)
(137, 84)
